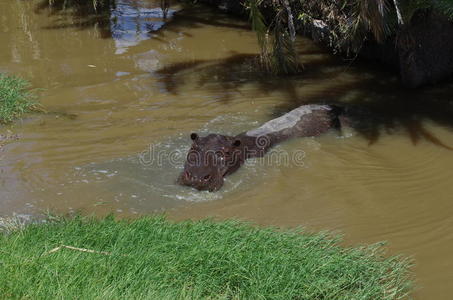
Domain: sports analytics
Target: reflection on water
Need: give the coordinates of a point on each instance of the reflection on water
(132, 22)
(120, 80)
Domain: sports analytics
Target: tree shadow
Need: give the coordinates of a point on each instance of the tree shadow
(239, 69)
(113, 18)
(404, 111)
(82, 14)
(198, 16)
(78, 14)
(193, 16)
(228, 75)
(379, 104)
(373, 100)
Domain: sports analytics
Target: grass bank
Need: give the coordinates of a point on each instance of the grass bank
(15, 98)
(153, 258)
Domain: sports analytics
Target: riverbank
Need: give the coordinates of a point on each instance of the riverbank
(154, 258)
(419, 48)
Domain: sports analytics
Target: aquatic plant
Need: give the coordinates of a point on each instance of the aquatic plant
(15, 98)
(153, 258)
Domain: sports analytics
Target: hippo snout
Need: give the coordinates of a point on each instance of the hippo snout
(196, 178)
(209, 159)
(201, 181)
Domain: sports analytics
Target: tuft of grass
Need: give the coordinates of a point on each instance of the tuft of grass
(153, 258)
(15, 98)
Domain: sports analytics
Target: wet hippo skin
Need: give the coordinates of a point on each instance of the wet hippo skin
(215, 156)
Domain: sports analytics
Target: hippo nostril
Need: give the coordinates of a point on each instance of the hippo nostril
(207, 177)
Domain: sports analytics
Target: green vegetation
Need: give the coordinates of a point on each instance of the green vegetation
(350, 23)
(276, 40)
(152, 258)
(15, 99)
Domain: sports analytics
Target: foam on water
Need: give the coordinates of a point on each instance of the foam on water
(146, 181)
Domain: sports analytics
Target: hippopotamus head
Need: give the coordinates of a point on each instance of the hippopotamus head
(209, 160)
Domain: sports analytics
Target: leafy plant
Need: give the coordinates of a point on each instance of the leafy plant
(276, 40)
(350, 23)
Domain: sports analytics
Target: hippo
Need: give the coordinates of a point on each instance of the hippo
(213, 157)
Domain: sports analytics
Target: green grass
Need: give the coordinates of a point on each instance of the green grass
(153, 258)
(15, 99)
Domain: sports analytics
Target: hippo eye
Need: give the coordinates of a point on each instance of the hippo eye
(207, 177)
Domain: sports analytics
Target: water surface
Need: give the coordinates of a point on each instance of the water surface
(125, 89)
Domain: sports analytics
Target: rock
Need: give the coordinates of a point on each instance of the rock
(425, 50)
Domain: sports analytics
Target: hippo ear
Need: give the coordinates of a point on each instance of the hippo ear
(194, 136)
(237, 143)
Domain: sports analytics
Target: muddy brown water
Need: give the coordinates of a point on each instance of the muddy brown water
(125, 90)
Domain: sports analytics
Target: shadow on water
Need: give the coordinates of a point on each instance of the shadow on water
(374, 101)
(118, 19)
(199, 16)
(228, 73)
(79, 14)
(112, 17)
